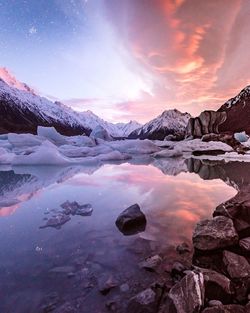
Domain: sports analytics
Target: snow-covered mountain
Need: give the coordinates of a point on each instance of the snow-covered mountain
(170, 122)
(91, 120)
(21, 110)
(12, 81)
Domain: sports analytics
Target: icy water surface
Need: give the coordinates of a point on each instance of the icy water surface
(41, 269)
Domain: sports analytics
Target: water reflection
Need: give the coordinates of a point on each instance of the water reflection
(173, 194)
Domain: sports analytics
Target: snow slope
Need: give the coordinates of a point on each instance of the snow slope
(21, 110)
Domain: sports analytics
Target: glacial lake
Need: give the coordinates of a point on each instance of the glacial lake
(42, 269)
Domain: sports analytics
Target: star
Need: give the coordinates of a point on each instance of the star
(32, 30)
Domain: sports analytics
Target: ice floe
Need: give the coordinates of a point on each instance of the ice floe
(51, 148)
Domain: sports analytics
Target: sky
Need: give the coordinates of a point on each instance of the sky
(129, 59)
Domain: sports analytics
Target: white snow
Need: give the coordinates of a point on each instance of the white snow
(100, 133)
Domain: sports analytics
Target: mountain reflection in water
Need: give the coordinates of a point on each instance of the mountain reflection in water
(173, 194)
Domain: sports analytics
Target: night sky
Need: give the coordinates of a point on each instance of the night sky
(128, 59)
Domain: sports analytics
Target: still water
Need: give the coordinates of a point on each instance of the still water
(41, 269)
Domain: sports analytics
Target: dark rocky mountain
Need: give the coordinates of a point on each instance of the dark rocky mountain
(231, 117)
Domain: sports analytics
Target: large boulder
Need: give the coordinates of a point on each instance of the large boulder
(237, 266)
(238, 209)
(217, 286)
(215, 233)
(131, 221)
(231, 308)
(187, 296)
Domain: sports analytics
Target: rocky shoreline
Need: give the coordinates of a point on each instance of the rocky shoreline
(217, 280)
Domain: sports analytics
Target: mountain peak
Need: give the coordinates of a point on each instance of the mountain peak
(9, 78)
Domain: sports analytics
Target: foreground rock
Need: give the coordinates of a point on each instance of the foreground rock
(237, 266)
(232, 308)
(131, 221)
(238, 209)
(217, 286)
(187, 296)
(213, 234)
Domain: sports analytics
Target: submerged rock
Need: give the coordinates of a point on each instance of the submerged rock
(183, 248)
(131, 221)
(56, 221)
(213, 234)
(151, 263)
(75, 208)
(187, 296)
(143, 302)
(106, 282)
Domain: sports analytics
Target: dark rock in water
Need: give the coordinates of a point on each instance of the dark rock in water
(245, 244)
(144, 302)
(106, 282)
(183, 248)
(75, 208)
(131, 221)
(151, 263)
(65, 308)
(217, 286)
(237, 266)
(231, 308)
(208, 152)
(187, 295)
(213, 234)
(227, 138)
(62, 269)
(56, 221)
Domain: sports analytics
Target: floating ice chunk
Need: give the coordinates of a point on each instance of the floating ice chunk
(46, 154)
(113, 156)
(76, 152)
(101, 133)
(24, 140)
(241, 137)
(51, 134)
(176, 152)
(6, 157)
(82, 141)
(134, 146)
